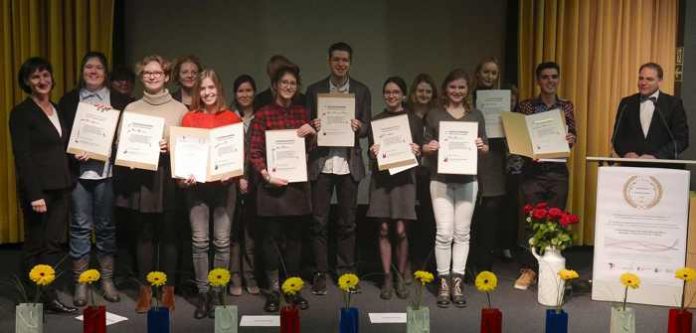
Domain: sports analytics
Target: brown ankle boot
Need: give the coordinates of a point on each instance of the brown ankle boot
(168, 297)
(144, 299)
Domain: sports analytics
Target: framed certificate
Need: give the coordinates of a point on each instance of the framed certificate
(138, 141)
(207, 154)
(335, 111)
(286, 155)
(539, 135)
(458, 153)
(93, 131)
(492, 103)
(393, 135)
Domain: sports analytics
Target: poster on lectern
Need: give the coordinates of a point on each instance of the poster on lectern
(640, 227)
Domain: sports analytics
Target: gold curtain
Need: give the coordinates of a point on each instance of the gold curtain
(599, 45)
(61, 31)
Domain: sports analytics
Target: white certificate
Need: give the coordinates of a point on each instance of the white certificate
(539, 135)
(335, 111)
(492, 103)
(641, 227)
(393, 135)
(138, 142)
(286, 155)
(458, 153)
(93, 131)
(226, 152)
(207, 154)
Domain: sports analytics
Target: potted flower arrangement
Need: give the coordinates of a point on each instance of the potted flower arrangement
(290, 314)
(551, 234)
(417, 316)
(349, 321)
(158, 318)
(491, 318)
(556, 318)
(29, 316)
(94, 317)
(225, 315)
(623, 319)
(680, 320)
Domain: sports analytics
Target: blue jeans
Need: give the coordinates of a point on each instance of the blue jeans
(92, 209)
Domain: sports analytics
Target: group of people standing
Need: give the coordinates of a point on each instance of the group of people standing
(73, 195)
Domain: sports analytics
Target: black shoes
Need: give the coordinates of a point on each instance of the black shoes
(272, 302)
(57, 307)
(201, 306)
(298, 301)
(319, 284)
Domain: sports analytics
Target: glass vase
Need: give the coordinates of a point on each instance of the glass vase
(29, 318)
(556, 321)
(158, 320)
(417, 320)
(491, 320)
(622, 321)
(94, 319)
(226, 319)
(289, 319)
(679, 321)
(349, 321)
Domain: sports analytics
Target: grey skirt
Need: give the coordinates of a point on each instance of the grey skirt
(393, 196)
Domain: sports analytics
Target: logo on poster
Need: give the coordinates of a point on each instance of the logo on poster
(642, 192)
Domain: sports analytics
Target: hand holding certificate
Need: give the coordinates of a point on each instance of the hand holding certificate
(540, 135)
(139, 141)
(286, 155)
(458, 153)
(492, 103)
(207, 155)
(335, 112)
(393, 135)
(93, 131)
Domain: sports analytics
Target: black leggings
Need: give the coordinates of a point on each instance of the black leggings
(157, 241)
(281, 230)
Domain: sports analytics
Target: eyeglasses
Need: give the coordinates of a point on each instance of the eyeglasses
(286, 83)
(154, 75)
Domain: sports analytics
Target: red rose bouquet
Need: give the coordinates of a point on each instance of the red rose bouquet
(550, 226)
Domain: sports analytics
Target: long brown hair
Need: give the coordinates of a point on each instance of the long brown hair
(479, 67)
(197, 104)
(422, 77)
(454, 75)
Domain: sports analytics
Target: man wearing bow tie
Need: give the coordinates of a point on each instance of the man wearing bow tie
(650, 124)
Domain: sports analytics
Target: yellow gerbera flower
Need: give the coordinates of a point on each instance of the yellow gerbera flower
(687, 274)
(568, 274)
(156, 279)
(42, 275)
(89, 276)
(292, 285)
(486, 281)
(219, 277)
(630, 280)
(423, 277)
(347, 282)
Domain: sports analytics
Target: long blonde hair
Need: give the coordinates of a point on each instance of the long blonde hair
(197, 104)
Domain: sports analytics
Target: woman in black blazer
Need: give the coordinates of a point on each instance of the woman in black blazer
(39, 138)
(93, 194)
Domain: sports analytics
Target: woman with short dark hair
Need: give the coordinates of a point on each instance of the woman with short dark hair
(39, 137)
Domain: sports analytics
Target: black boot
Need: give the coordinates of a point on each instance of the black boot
(387, 287)
(214, 301)
(400, 287)
(53, 305)
(273, 295)
(201, 306)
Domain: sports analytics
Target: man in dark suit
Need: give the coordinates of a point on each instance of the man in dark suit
(650, 124)
(337, 168)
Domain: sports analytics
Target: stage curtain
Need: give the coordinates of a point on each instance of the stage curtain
(599, 46)
(61, 31)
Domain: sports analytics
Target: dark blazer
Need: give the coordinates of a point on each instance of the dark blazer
(39, 151)
(363, 112)
(68, 107)
(629, 136)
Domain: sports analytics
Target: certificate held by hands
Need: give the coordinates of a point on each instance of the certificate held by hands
(335, 111)
(492, 103)
(286, 155)
(207, 154)
(458, 153)
(539, 135)
(138, 142)
(93, 131)
(393, 135)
